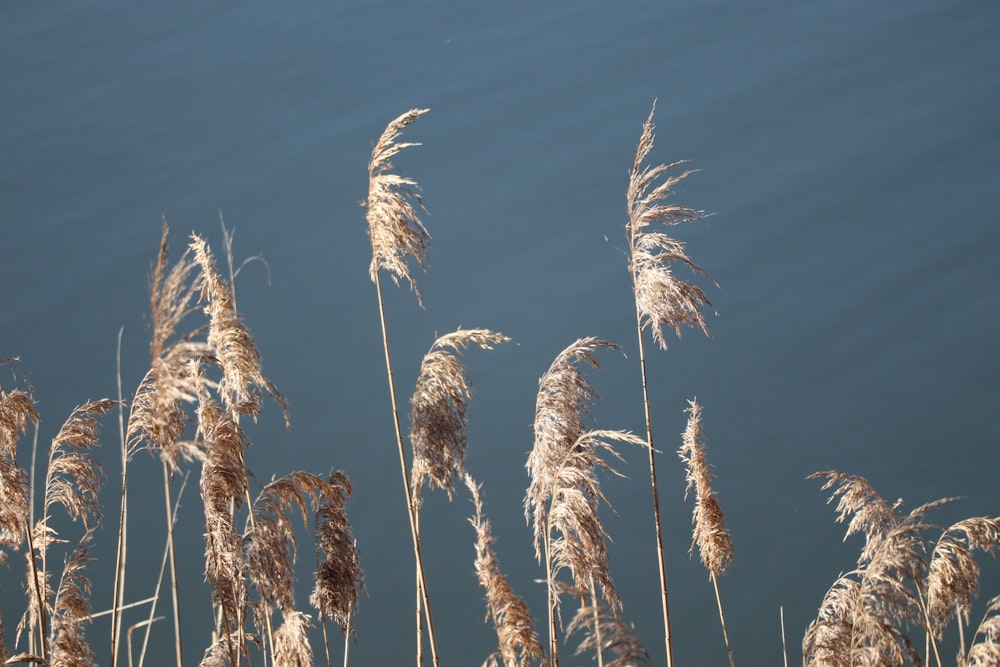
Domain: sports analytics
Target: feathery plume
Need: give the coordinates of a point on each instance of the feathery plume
(710, 533)
(73, 479)
(232, 343)
(291, 641)
(223, 488)
(270, 540)
(394, 227)
(71, 612)
(563, 402)
(953, 574)
(438, 413)
(339, 577)
(563, 494)
(660, 297)
(863, 614)
(618, 638)
(157, 416)
(17, 409)
(986, 651)
(510, 615)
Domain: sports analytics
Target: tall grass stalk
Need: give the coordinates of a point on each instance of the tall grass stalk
(660, 298)
(397, 234)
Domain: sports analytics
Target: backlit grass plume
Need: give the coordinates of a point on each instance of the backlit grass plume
(394, 227)
(715, 546)
(339, 578)
(17, 410)
(864, 617)
(515, 628)
(233, 345)
(438, 412)
(564, 492)
(612, 638)
(661, 299)
(396, 235)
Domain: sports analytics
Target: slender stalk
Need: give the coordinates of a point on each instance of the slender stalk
(784, 646)
(722, 619)
(553, 630)
(656, 496)
(419, 604)
(43, 625)
(411, 512)
(159, 581)
(119, 586)
(31, 548)
(175, 593)
(597, 622)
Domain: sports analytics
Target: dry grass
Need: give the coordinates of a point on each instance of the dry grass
(866, 615)
(913, 583)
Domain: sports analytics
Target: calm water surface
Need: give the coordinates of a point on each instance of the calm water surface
(847, 152)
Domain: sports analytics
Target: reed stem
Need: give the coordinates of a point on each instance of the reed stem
(174, 590)
(411, 513)
(656, 495)
(722, 619)
(119, 585)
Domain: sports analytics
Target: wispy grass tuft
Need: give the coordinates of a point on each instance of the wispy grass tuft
(515, 628)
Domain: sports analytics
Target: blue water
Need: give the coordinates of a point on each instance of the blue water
(846, 151)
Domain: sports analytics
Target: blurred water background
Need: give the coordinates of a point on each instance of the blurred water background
(846, 151)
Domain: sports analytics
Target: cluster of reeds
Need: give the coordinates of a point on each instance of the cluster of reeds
(205, 381)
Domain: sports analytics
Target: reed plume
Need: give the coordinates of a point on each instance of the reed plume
(953, 574)
(986, 651)
(564, 492)
(224, 489)
(339, 577)
(438, 413)
(17, 410)
(863, 617)
(715, 546)
(515, 628)
(396, 235)
(606, 633)
(394, 227)
(235, 351)
(71, 612)
(291, 641)
(661, 299)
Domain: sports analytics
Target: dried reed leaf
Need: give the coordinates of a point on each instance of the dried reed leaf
(618, 639)
(394, 227)
(438, 413)
(291, 641)
(515, 628)
(339, 577)
(232, 344)
(711, 536)
(661, 298)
